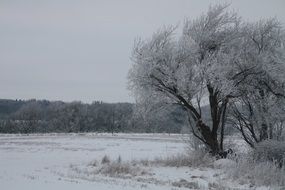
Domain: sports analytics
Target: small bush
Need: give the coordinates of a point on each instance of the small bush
(270, 150)
(262, 166)
(256, 172)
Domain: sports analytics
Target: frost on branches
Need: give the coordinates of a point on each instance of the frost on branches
(218, 58)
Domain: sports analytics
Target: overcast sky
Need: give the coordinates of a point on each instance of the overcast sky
(80, 50)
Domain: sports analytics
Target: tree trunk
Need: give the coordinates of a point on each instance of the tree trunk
(211, 139)
(223, 127)
(263, 132)
(270, 131)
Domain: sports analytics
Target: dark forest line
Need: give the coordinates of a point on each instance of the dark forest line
(43, 116)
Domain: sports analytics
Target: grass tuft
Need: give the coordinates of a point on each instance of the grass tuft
(105, 160)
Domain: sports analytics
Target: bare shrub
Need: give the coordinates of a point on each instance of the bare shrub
(257, 173)
(105, 160)
(270, 150)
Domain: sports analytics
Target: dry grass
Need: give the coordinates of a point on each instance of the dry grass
(196, 159)
(262, 166)
(186, 184)
(94, 163)
(217, 186)
(270, 150)
(173, 161)
(117, 168)
(257, 173)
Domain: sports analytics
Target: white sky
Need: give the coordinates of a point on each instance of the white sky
(80, 49)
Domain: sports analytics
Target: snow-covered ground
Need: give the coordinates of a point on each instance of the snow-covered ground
(64, 161)
(43, 161)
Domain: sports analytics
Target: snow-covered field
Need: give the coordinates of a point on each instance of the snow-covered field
(44, 161)
(64, 161)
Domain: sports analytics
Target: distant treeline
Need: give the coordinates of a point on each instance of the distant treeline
(42, 116)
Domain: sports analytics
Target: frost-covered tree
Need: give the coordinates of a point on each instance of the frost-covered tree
(163, 118)
(208, 64)
(259, 112)
(183, 71)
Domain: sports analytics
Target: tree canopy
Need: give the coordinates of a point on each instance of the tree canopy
(219, 60)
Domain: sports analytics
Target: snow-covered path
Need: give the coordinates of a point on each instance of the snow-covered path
(43, 161)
